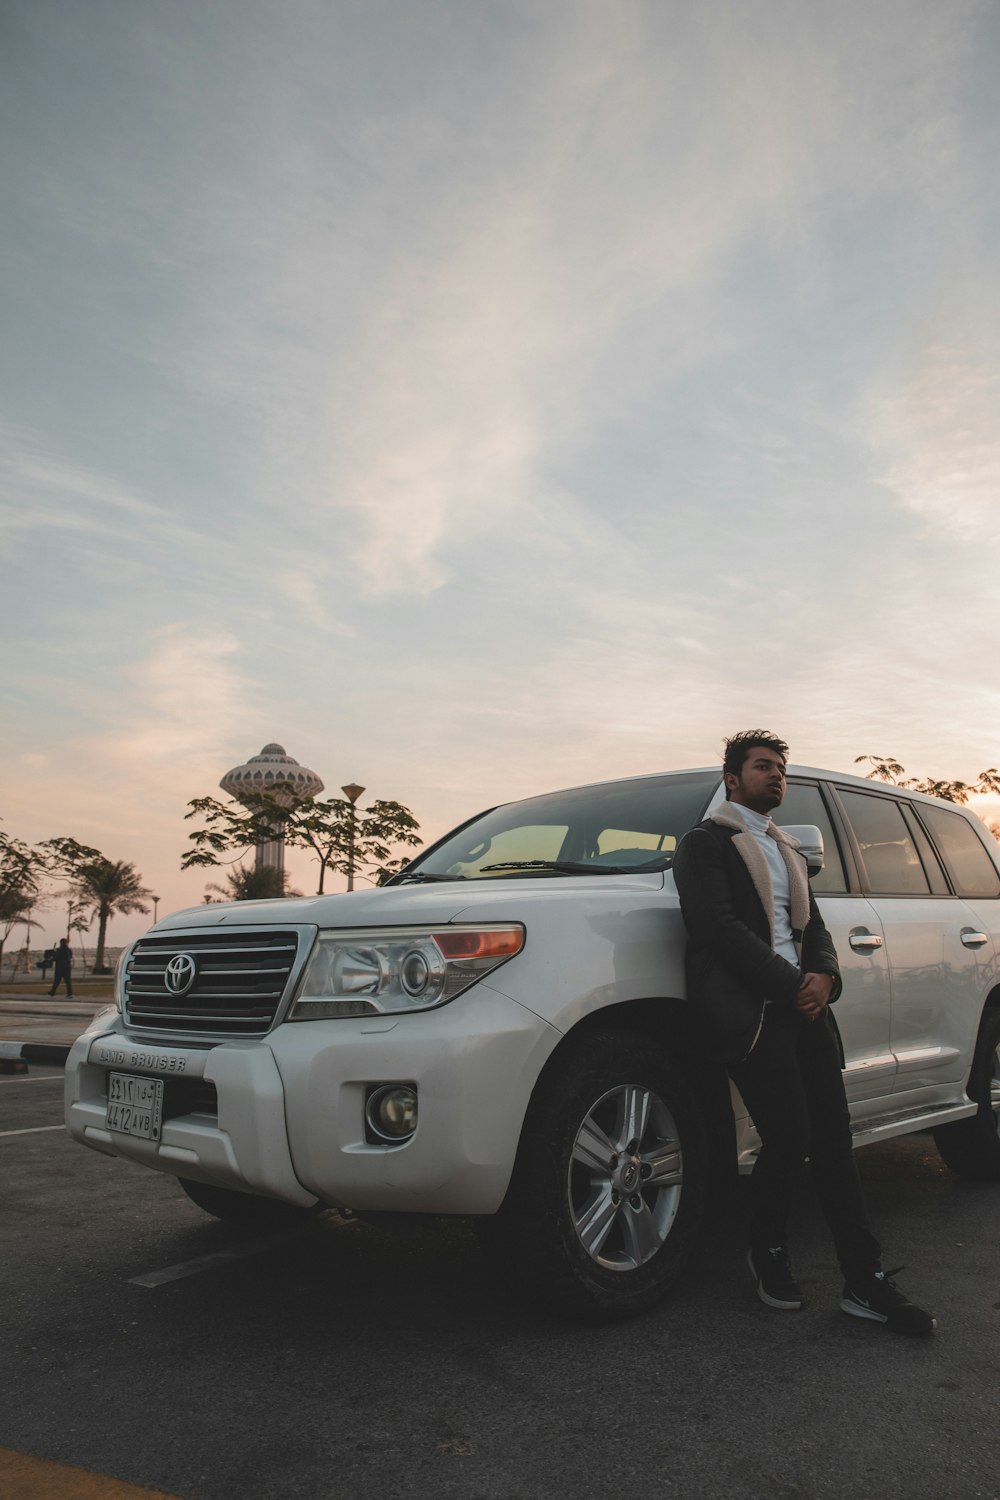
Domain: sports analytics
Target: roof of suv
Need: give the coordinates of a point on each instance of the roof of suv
(866, 783)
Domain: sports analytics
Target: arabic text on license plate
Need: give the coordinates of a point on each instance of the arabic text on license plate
(135, 1105)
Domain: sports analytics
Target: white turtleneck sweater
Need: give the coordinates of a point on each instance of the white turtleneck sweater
(759, 824)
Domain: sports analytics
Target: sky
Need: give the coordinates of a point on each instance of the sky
(479, 397)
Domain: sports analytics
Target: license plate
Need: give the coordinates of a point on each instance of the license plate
(135, 1105)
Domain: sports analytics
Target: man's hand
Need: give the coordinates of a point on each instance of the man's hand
(814, 994)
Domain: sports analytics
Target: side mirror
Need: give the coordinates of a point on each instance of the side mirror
(810, 844)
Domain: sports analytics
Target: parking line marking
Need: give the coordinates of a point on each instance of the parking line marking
(34, 1130)
(26, 1477)
(195, 1267)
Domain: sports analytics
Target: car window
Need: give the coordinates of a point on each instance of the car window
(972, 871)
(889, 855)
(804, 804)
(933, 868)
(633, 824)
(613, 840)
(531, 841)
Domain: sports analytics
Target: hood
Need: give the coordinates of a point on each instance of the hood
(384, 907)
(394, 905)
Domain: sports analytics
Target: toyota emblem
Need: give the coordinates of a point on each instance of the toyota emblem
(180, 974)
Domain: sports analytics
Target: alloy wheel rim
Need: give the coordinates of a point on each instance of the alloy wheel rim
(625, 1177)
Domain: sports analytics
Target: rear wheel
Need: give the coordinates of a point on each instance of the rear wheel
(972, 1147)
(243, 1208)
(609, 1187)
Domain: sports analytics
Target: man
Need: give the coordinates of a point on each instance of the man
(762, 968)
(63, 968)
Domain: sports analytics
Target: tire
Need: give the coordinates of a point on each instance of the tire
(609, 1187)
(243, 1208)
(971, 1147)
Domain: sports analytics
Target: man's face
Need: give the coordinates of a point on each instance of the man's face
(761, 782)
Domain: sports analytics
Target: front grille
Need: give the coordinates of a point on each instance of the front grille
(240, 978)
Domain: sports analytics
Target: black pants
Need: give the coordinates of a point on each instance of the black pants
(794, 1089)
(57, 980)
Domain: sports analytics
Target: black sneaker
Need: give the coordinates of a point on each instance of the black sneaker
(772, 1271)
(879, 1298)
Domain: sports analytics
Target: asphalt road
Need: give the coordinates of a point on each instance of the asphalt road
(144, 1341)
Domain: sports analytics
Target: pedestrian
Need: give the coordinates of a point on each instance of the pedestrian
(63, 967)
(762, 968)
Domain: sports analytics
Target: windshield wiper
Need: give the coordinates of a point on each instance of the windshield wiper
(405, 876)
(561, 867)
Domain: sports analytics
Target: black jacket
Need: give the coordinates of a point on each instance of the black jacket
(724, 886)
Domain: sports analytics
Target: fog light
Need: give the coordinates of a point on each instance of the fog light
(391, 1112)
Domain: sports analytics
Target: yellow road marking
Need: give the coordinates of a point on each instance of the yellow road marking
(24, 1477)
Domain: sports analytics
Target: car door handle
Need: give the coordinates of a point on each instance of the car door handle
(973, 939)
(863, 941)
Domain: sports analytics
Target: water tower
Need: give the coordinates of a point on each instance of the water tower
(279, 776)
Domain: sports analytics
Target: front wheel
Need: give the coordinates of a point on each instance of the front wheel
(243, 1208)
(972, 1147)
(609, 1187)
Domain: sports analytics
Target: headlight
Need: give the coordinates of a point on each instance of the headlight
(386, 970)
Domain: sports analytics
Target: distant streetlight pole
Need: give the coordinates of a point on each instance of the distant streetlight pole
(27, 941)
(75, 923)
(156, 901)
(352, 792)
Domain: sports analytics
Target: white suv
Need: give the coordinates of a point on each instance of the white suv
(502, 1031)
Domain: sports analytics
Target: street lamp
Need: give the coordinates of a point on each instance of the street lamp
(352, 792)
(156, 901)
(28, 925)
(73, 910)
(75, 923)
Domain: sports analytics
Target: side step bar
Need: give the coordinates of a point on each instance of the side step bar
(885, 1127)
(924, 1117)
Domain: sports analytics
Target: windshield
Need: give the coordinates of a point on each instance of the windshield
(622, 826)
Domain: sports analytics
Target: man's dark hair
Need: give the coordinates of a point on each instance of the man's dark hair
(739, 746)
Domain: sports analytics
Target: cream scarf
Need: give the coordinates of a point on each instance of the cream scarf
(752, 856)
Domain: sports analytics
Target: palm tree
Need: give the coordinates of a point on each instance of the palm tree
(108, 886)
(248, 883)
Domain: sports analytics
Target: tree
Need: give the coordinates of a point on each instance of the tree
(340, 837)
(20, 873)
(63, 858)
(246, 883)
(104, 886)
(98, 886)
(349, 842)
(884, 768)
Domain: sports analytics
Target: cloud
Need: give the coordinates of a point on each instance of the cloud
(940, 434)
(39, 490)
(307, 588)
(577, 282)
(175, 719)
(189, 704)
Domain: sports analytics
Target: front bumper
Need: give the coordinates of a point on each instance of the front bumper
(289, 1120)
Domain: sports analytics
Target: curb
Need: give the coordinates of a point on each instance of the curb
(54, 1054)
(30, 1005)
